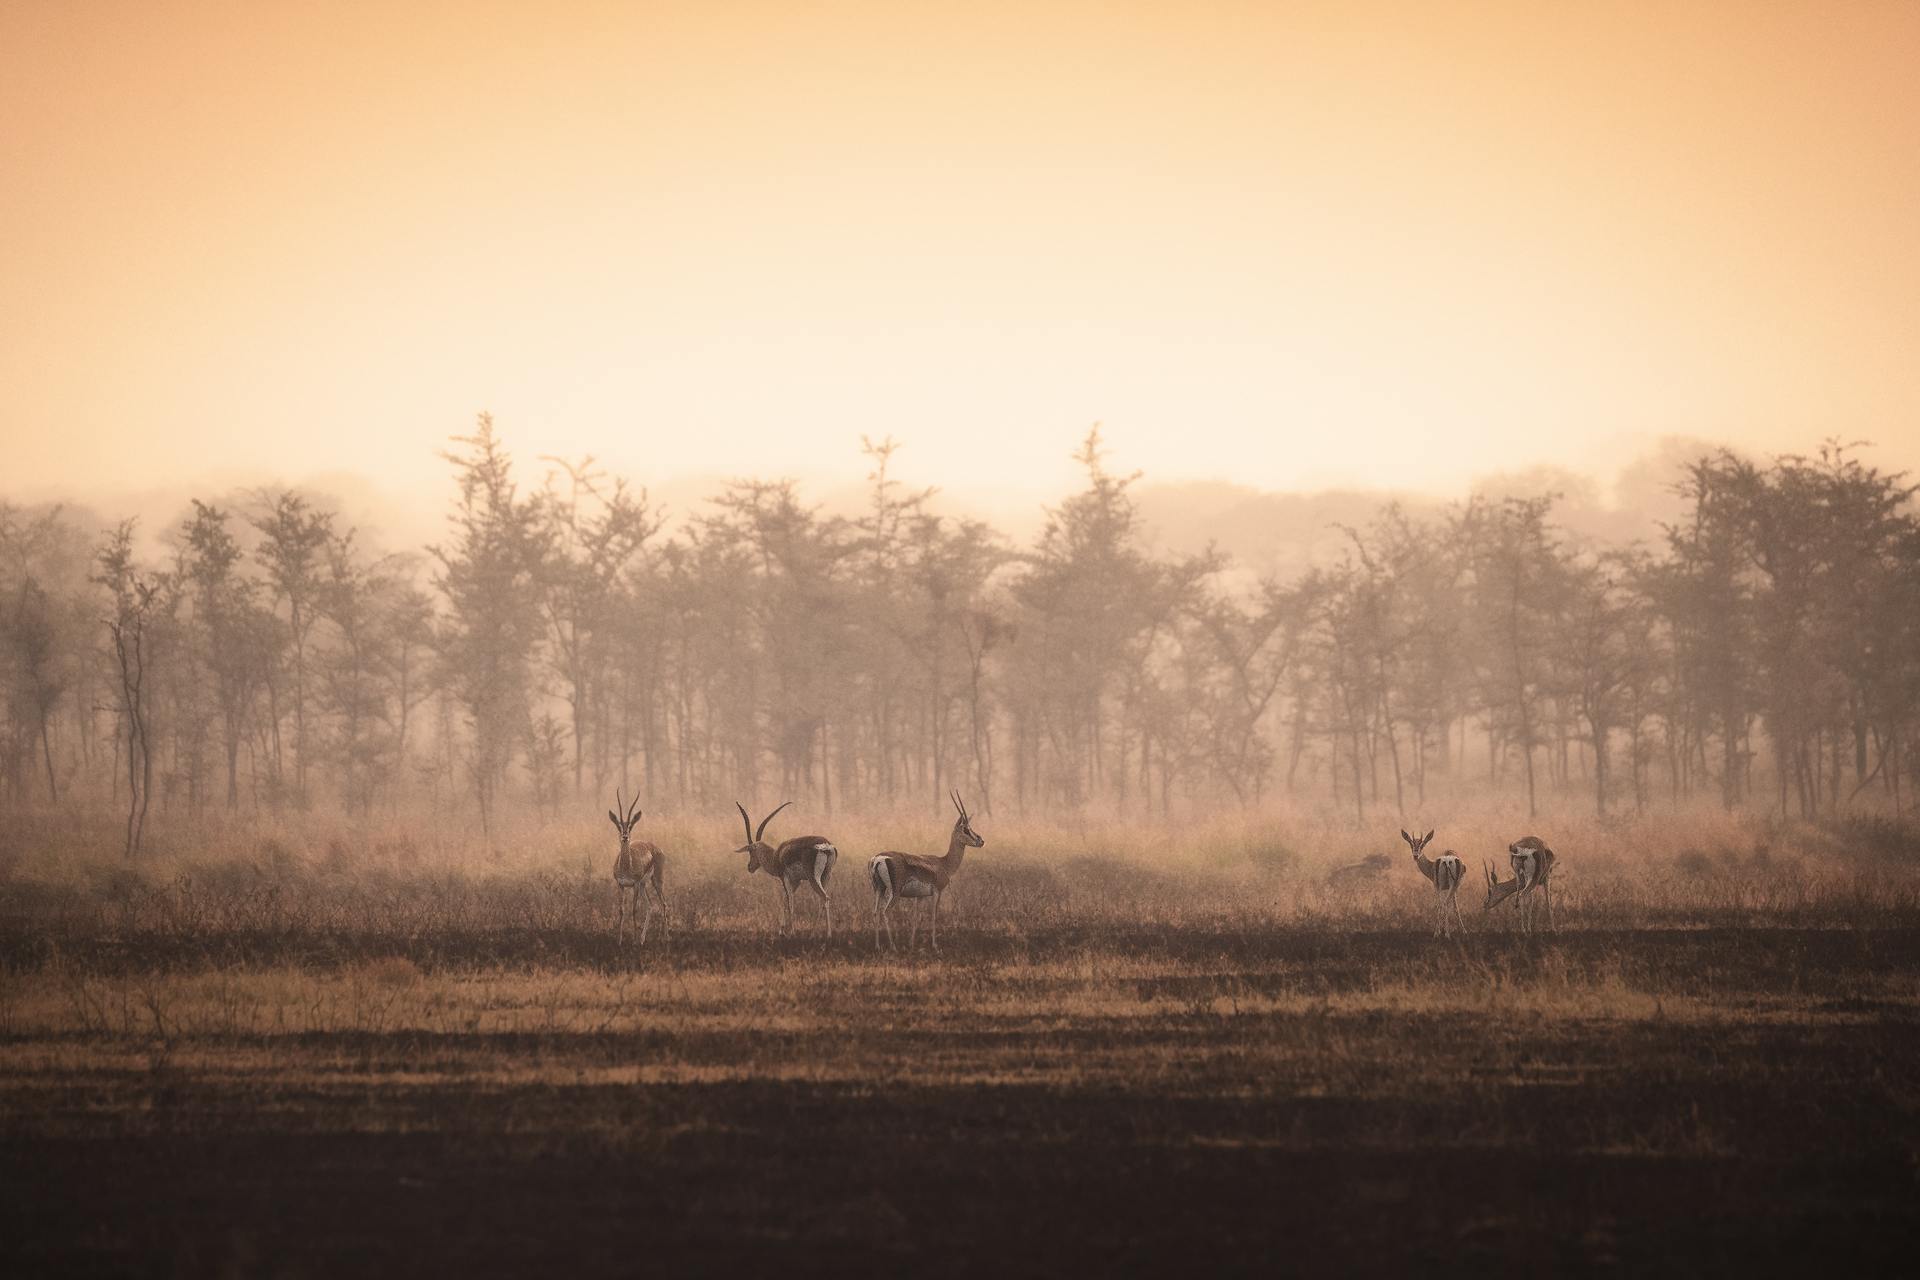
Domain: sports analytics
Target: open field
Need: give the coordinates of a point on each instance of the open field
(382, 1069)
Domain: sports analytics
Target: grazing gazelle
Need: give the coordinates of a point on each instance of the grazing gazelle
(1446, 872)
(806, 859)
(917, 875)
(1370, 867)
(637, 871)
(1532, 864)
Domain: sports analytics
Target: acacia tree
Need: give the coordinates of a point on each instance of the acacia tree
(1596, 657)
(1823, 535)
(293, 548)
(139, 598)
(1704, 589)
(1517, 591)
(1092, 604)
(592, 531)
(489, 574)
(43, 617)
(235, 640)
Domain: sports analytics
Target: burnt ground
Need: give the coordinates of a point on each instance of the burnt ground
(1394, 1143)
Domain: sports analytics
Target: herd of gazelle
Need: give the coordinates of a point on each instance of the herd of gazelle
(1532, 864)
(638, 884)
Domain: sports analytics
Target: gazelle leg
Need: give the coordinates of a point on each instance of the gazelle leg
(1547, 890)
(826, 902)
(646, 921)
(936, 919)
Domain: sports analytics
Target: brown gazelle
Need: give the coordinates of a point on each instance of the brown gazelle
(1445, 872)
(1532, 864)
(636, 872)
(917, 875)
(806, 859)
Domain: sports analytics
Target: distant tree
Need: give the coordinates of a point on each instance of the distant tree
(489, 574)
(1705, 590)
(1518, 591)
(294, 541)
(139, 598)
(591, 530)
(1092, 604)
(235, 639)
(1596, 658)
(1255, 645)
(43, 621)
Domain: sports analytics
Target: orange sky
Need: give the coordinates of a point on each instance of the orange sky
(1289, 245)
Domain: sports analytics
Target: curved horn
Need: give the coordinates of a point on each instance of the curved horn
(764, 821)
(633, 814)
(745, 819)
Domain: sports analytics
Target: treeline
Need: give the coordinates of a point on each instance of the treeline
(562, 641)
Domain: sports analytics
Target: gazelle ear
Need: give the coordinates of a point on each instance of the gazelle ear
(610, 818)
(1426, 837)
(1405, 836)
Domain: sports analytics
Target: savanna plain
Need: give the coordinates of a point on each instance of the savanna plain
(301, 1051)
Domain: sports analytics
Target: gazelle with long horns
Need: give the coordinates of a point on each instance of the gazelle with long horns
(1532, 864)
(803, 860)
(1445, 872)
(637, 871)
(917, 875)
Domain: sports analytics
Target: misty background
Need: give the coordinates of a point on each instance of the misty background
(1726, 631)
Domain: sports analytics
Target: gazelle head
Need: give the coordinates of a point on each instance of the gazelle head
(759, 853)
(1415, 845)
(1498, 892)
(624, 820)
(964, 826)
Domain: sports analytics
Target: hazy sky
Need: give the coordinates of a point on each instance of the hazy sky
(1284, 244)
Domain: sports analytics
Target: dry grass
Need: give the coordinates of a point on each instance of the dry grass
(1183, 1045)
(1694, 869)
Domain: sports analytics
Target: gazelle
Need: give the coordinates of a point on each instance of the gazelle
(805, 859)
(1370, 867)
(1532, 864)
(1446, 872)
(636, 871)
(917, 875)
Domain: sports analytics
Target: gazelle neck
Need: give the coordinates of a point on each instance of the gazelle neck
(956, 849)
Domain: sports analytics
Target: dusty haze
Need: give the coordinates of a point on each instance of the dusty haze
(1308, 247)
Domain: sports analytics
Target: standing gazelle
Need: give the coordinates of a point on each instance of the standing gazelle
(1446, 872)
(636, 871)
(1532, 864)
(917, 875)
(805, 859)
